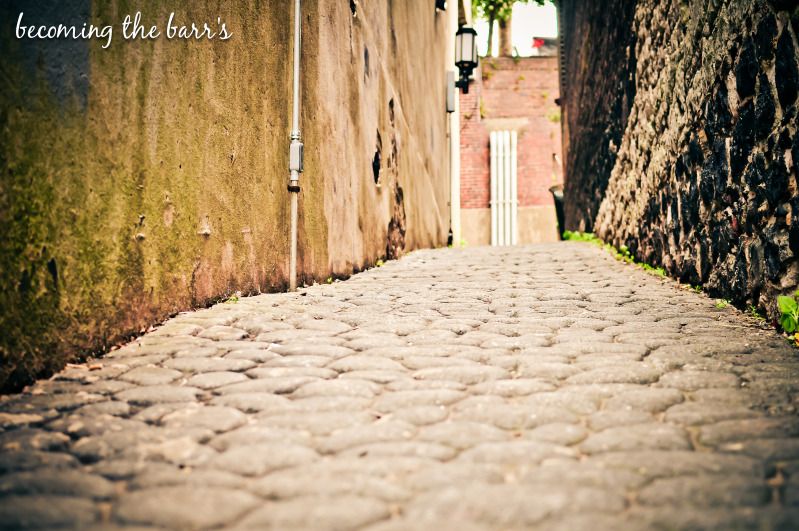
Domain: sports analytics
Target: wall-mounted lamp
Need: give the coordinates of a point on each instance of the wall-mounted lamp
(441, 5)
(465, 55)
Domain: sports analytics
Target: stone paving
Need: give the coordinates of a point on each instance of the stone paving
(546, 387)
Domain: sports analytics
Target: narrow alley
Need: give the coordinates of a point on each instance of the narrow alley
(546, 386)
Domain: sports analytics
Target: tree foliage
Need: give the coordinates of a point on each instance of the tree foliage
(497, 10)
(492, 10)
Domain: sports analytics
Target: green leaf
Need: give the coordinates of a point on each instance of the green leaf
(788, 323)
(786, 304)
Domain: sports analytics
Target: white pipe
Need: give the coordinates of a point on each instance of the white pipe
(454, 136)
(293, 256)
(295, 137)
(503, 183)
(295, 110)
(501, 189)
(494, 203)
(504, 188)
(500, 195)
(514, 195)
(506, 147)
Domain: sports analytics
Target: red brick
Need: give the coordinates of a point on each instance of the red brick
(509, 88)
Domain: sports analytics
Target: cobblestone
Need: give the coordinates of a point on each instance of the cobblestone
(47, 512)
(56, 482)
(190, 507)
(317, 512)
(150, 375)
(259, 459)
(706, 491)
(545, 387)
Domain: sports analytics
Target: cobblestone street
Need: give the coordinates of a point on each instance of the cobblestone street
(545, 386)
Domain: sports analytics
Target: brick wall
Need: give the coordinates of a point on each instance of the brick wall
(474, 150)
(521, 91)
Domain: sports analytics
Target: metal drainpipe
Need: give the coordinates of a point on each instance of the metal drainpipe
(295, 151)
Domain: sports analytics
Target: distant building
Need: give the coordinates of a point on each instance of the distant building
(544, 47)
(513, 98)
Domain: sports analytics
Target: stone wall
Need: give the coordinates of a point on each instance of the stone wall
(598, 86)
(150, 177)
(704, 182)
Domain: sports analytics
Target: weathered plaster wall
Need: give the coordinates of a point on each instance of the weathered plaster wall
(380, 97)
(536, 224)
(705, 180)
(150, 177)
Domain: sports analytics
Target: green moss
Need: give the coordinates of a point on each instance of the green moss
(168, 134)
(30, 292)
(622, 253)
(164, 186)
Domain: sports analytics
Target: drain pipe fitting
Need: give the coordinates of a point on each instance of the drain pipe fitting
(295, 151)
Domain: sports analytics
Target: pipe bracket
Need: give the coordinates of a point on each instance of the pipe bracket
(296, 156)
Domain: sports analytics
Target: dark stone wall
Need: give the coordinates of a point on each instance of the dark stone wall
(598, 85)
(705, 179)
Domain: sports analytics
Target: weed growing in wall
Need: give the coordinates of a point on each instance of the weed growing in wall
(789, 312)
(789, 316)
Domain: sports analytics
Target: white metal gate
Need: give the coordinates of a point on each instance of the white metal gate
(504, 198)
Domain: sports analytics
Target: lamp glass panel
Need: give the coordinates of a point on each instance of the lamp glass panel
(466, 48)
